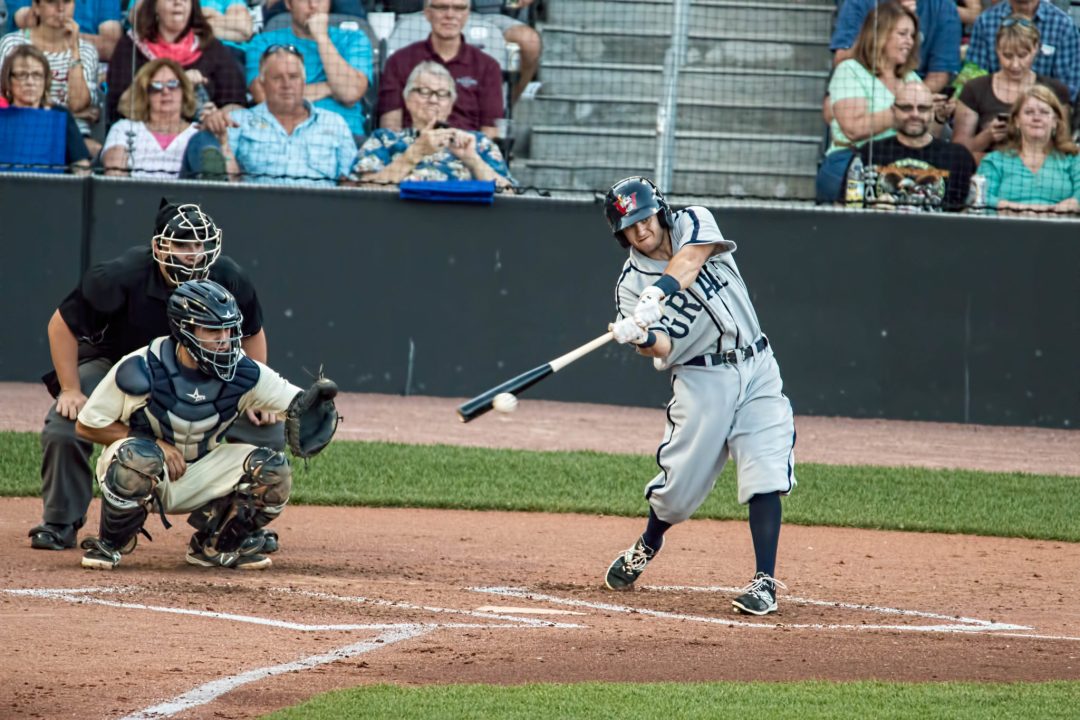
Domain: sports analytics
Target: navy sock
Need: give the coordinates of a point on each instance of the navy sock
(653, 536)
(765, 514)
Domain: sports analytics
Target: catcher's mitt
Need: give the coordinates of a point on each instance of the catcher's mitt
(312, 418)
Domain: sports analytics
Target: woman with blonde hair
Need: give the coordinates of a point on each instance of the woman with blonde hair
(985, 102)
(152, 142)
(863, 89)
(1037, 169)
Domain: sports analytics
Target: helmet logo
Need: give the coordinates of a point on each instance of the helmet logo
(626, 204)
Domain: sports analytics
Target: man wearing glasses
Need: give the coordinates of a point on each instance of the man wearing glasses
(477, 77)
(913, 171)
(1059, 51)
(337, 63)
(284, 140)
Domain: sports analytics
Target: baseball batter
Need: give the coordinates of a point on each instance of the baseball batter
(682, 301)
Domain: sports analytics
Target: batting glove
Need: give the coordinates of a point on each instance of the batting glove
(626, 330)
(648, 310)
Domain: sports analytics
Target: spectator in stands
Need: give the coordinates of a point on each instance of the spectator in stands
(1037, 170)
(176, 30)
(152, 142)
(1059, 52)
(99, 22)
(862, 89)
(338, 62)
(24, 83)
(283, 140)
(968, 10)
(985, 101)
(939, 44)
(914, 170)
(230, 21)
(73, 61)
(431, 149)
(477, 76)
(354, 8)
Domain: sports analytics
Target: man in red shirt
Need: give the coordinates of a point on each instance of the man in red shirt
(477, 76)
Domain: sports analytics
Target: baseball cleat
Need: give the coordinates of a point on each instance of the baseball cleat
(629, 565)
(759, 597)
(99, 554)
(207, 556)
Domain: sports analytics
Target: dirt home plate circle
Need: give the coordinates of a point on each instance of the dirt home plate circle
(505, 403)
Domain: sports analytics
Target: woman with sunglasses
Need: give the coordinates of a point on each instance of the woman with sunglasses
(25, 82)
(980, 122)
(176, 30)
(1037, 170)
(152, 143)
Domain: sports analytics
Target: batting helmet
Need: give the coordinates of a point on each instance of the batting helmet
(632, 200)
(205, 304)
(186, 241)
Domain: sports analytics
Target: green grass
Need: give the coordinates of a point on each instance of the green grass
(385, 474)
(794, 701)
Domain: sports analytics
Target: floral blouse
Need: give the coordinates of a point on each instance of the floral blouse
(383, 146)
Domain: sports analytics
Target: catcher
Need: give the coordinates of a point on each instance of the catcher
(162, 413)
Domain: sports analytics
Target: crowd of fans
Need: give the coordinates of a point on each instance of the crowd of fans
(188, 89)
(932, 104)
(926, 91)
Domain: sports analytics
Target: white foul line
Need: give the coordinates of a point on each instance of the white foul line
(214, 689)
(521, 593)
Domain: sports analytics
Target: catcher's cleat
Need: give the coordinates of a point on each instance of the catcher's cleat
(629, 565)
(207, 556)
(99, 555)
(261, 540)
(52, 536)
(759, 597)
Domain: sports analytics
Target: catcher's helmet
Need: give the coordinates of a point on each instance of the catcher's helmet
(186, 241)
(205, 304)
(632, 200)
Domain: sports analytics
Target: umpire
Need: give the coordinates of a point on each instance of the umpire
(120, 306)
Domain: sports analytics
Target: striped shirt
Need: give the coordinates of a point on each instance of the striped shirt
(60, 67)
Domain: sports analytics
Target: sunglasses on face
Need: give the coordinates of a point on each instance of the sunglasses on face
(276, 48)
(25, 75)
(905, 108)
(160, 87)
(427, 93)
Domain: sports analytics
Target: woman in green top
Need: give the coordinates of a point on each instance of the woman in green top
(862, 89)
(1037, 170)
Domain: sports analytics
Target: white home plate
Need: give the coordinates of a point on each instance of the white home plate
(525, 611)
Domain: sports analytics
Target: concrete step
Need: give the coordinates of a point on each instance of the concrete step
(646, 81)
(716, 181)
(705, 47)
(779, 117)
(582, 145)
(656, 15)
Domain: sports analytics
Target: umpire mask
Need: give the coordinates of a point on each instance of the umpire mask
(205, 319)
(186, 242)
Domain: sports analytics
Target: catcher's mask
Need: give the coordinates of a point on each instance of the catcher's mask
(632, 200)
(186, 241)
(205, 304)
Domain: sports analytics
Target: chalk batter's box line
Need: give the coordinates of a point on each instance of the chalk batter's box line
(87, 596)
(973, 627)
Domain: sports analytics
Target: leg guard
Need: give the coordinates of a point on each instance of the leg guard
(127, 490)
(227, 524)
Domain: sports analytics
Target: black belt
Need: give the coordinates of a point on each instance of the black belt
(730, 357)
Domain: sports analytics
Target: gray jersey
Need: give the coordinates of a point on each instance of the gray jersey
(713, 315)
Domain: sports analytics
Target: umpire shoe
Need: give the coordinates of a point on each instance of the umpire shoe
(99, 555)
(629, 565)
(52, 536)
(207, 556)
(759, 597)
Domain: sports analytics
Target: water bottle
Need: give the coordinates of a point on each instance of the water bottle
(856, 183)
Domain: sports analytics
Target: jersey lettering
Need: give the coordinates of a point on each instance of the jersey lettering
(686, 308)
(709, 285)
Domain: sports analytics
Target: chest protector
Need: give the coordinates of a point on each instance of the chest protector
(192, 411)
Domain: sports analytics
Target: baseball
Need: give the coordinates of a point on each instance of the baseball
(505, 403)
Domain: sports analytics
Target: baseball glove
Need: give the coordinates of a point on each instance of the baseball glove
(312, 418)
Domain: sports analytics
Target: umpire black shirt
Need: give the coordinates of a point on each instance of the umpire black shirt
(120, 304)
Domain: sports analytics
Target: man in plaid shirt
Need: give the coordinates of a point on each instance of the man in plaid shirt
(1059, 56)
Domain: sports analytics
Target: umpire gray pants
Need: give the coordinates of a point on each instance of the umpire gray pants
(67, 483)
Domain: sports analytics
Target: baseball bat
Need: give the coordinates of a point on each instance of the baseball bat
(480, 404)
